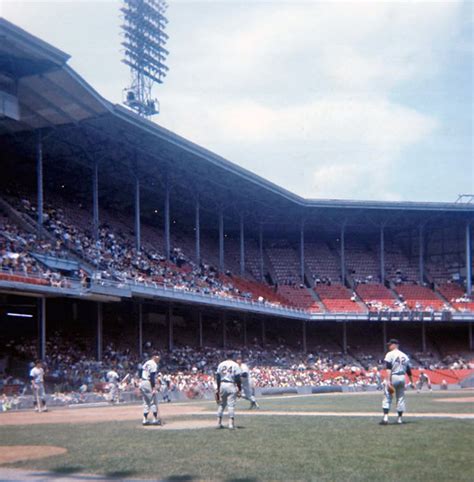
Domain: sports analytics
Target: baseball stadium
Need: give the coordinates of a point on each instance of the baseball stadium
(139, 270)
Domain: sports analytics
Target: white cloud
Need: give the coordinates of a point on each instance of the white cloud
(316, 80)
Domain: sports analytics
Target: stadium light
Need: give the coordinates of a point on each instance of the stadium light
(144, 41)
(20, 315)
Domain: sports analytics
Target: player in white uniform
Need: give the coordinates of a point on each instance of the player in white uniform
(248, 387)
(112, 378)
(228, 389)
(397, 365)
(37, 386)
(149, 389)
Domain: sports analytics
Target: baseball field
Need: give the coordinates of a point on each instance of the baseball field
(319, 437)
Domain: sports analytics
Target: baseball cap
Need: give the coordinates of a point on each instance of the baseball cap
(393, 341)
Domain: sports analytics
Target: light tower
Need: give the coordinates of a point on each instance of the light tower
(144, 38)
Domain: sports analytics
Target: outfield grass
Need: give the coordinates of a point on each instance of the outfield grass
(265, 448)
(424, 402)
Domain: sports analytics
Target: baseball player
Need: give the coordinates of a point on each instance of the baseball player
(149, 389)
(112, 378)
(248, 387)
(228, 389)
(377, 378)
(397, 365)
(37, 386)
(422, 380)
(166, 386)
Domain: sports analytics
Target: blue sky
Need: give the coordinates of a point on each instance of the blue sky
(360, 100)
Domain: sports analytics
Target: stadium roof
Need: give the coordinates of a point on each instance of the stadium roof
(57, 100)
(50, 93)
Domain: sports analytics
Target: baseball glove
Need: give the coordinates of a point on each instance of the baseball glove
(217, 397)
(390, 389)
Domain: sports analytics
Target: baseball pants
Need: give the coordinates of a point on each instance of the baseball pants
(228, 398)
(114, 392)
(39, 393)
(398, 382)
(422, 383)
(150, 399)
(248, 392)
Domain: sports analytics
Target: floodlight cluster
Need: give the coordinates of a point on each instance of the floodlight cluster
(144, 38)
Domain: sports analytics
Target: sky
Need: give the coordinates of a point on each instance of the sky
(328, 99)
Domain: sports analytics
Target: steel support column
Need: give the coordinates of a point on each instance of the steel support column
(42, 327)
(302, 260)
(99, 330)
(384, 334)
(382, 254)
(197, 228)
(305, 347)
(468, 260)
(344, 337)
(138, 240)
(169, 319)
(423, 337)
(343, 254)
(264, 337)
(260, 247)
(242, 246)
(421, 259)
(245, 330)
(140, 330)
(200, 337)
(95, 200)
(221, 241)
(167, 221)
(39, 179)
(224, 330)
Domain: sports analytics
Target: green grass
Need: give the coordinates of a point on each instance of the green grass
(268, 448)
(424, 402)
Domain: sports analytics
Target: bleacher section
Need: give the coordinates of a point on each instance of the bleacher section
(455, 295)
(376, 296)
(337, 299)
(419, 297)
(361, 262)
(252, 259)
(285, 264)
(300, 297)
(398, 268)
(322, 263)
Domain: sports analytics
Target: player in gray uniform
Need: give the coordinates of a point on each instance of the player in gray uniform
(424, 379)
(112, 378)
(149, 389)
(37, 386)
(228, 389)
(397, 365)
(248, 388)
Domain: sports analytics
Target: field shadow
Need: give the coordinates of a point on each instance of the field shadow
(180, 478)
(120, 474)
(61, 470)
(244, 479)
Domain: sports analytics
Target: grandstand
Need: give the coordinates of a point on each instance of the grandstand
(104, 213)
